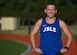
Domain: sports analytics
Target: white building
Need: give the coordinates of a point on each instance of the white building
(8, 23)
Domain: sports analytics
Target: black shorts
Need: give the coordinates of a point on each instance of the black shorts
(55, 54)
(59, 53)
(41, 54)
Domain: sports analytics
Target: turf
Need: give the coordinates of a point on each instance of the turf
(9, 47)
(73, 30)
(23, 30)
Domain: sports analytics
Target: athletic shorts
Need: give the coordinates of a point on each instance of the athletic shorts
(59, 53)
(55, 54)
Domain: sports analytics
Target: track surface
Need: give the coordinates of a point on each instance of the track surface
(25, 38)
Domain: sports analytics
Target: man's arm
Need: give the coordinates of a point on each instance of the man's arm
(66, 30)
(34, 31)
(32, 34)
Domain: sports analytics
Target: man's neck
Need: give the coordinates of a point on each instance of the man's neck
(50, 20)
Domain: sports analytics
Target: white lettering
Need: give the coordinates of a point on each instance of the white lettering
(53, 29)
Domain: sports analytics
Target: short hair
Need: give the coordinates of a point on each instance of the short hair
(50, 4)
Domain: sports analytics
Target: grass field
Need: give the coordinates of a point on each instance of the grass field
(73, 29)
(23, 30)
(9, 47)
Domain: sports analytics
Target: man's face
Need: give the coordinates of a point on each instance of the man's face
(50, 11)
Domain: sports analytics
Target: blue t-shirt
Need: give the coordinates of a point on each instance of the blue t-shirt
(50, 37)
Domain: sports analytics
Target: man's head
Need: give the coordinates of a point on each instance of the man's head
(50, 10)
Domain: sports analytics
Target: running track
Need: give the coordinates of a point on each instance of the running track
(25, 38)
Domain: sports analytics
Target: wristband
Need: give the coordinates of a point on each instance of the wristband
(66, 47)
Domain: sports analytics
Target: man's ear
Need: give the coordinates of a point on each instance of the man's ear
(56, 11)
(45, 10)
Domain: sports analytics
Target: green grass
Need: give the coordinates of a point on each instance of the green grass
(9, 47)
(73, 30)
(23, 30)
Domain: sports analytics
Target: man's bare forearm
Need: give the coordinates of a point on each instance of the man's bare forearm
(32, 41)
(69, 41)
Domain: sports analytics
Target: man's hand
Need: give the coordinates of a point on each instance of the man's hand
(38, 50)
(63, 50)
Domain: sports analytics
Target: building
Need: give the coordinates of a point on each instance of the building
(8, 23)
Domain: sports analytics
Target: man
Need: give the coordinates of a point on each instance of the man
(50, 33)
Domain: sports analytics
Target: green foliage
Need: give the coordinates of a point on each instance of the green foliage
(19, 8)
